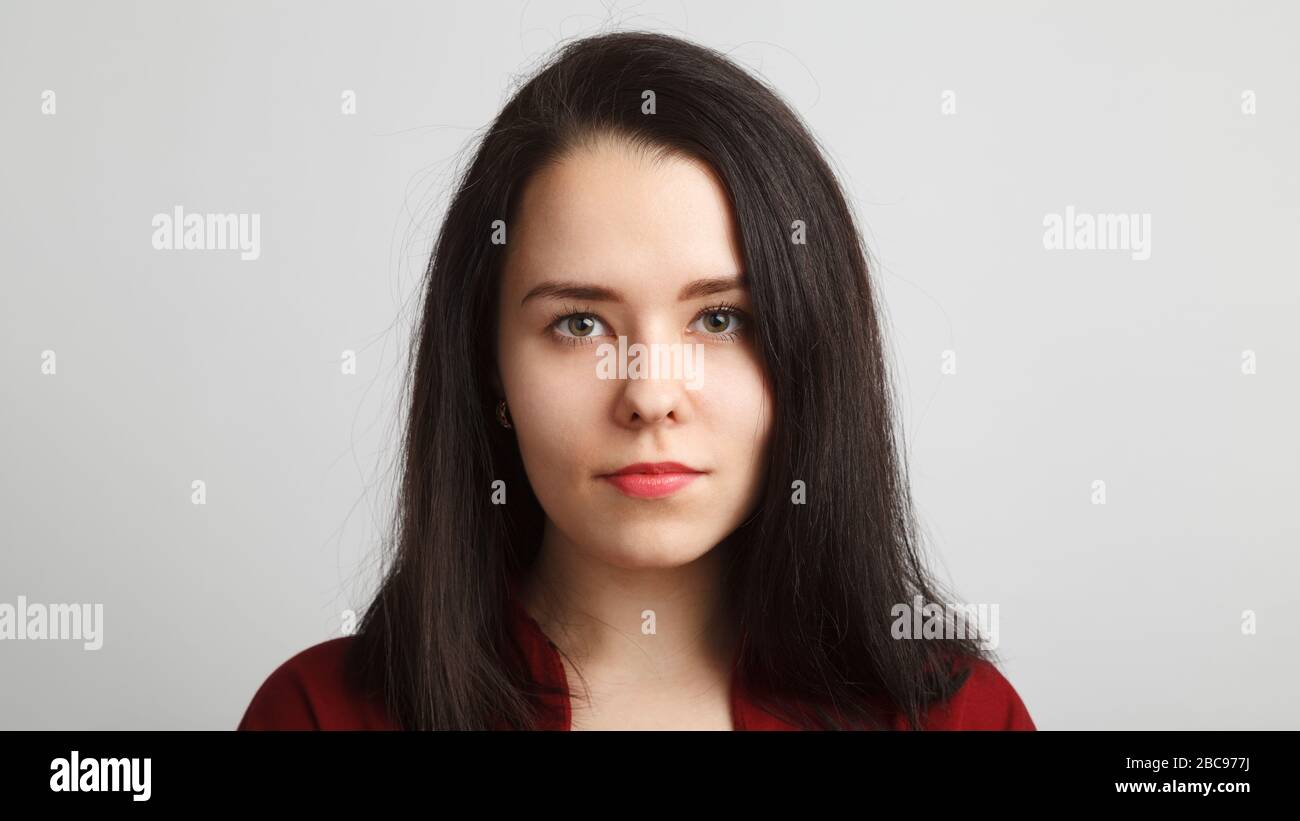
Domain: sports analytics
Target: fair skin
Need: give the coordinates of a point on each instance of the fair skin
(644, 230)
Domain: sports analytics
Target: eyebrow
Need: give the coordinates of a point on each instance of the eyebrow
(599, 293)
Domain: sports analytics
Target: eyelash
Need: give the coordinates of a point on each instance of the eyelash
(574, 341)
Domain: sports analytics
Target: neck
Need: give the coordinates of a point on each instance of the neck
(629, 625)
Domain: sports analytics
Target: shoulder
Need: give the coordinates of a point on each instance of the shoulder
(312, 691)
(985, 701)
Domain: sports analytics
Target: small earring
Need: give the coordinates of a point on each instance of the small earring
(502, 416)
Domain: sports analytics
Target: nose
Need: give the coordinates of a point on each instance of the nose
(654, 397)
(649, 401)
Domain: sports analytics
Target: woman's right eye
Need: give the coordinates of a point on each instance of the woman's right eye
(575, 328)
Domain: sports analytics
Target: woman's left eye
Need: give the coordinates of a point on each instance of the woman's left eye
(723, 321)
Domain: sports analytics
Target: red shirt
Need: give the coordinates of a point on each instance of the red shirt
(308, 692)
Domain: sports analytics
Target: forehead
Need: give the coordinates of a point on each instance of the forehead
(613, 212)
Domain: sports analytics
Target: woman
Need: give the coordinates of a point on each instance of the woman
(584, 542)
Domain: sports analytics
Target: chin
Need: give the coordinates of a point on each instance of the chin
(650, 549)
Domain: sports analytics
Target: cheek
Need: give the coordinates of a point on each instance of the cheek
(553, 401)
(741, 418)
(739, 405)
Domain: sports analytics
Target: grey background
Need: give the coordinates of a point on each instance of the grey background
(1072, 366)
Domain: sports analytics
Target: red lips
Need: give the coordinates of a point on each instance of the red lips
(655, 468)
(652, 480)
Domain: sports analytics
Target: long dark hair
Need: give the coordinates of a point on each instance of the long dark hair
(812, 585)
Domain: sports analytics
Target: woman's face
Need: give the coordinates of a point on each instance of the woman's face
(609, 243)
